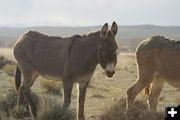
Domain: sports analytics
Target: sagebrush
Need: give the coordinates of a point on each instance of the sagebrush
(4, 61)
(52, 87)
(139, 111)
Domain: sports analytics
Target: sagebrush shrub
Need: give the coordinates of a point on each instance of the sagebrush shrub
(52, 87)
(8, 106)
(56, 112)
(8, 102)
(4, 61)
(9, 69)
(138, 111)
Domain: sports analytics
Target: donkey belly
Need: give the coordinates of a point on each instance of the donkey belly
(171, 77)
(173, 83)
(84, 78)
(50, 77)
(168, 65)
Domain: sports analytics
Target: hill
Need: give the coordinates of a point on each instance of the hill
(128, 36)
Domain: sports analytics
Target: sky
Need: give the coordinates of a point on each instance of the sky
(89, 12)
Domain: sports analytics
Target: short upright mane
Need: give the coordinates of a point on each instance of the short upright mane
(35, 33)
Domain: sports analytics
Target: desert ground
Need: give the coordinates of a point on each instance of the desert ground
(102, 92)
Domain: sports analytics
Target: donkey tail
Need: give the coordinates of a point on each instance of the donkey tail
(17, 78)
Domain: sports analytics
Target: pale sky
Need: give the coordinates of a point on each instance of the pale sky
(89, 12)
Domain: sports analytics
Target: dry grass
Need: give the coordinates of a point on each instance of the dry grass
(52, 87)
(4, 61)
(7, 53)
(139, 111)
(9, 69)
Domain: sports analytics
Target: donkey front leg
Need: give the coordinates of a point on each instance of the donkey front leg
(68, 85)
(81, 99)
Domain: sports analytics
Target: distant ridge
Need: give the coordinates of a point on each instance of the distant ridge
(126, 34)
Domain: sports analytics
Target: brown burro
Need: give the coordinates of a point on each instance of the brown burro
(70, 59)
(158, 61)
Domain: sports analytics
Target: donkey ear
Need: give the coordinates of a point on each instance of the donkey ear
(104, 30)
(114, 28)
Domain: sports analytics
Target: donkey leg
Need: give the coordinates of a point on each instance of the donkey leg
(81, 99)
(21, 100)
(29, 76)
(68, 85)
(28, 82)
(145, 78)
(29, 100)
(157, 86)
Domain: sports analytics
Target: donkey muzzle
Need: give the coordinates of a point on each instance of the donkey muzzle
(110, 73)
(110, 70)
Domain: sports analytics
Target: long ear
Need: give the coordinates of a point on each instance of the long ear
(114, 28)
(104, 30)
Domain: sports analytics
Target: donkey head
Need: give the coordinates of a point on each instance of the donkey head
(107, 53)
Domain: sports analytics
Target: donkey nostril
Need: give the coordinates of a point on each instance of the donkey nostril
(110, 72)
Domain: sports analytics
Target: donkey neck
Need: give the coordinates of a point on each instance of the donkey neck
(94, 43)
(84, 53)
